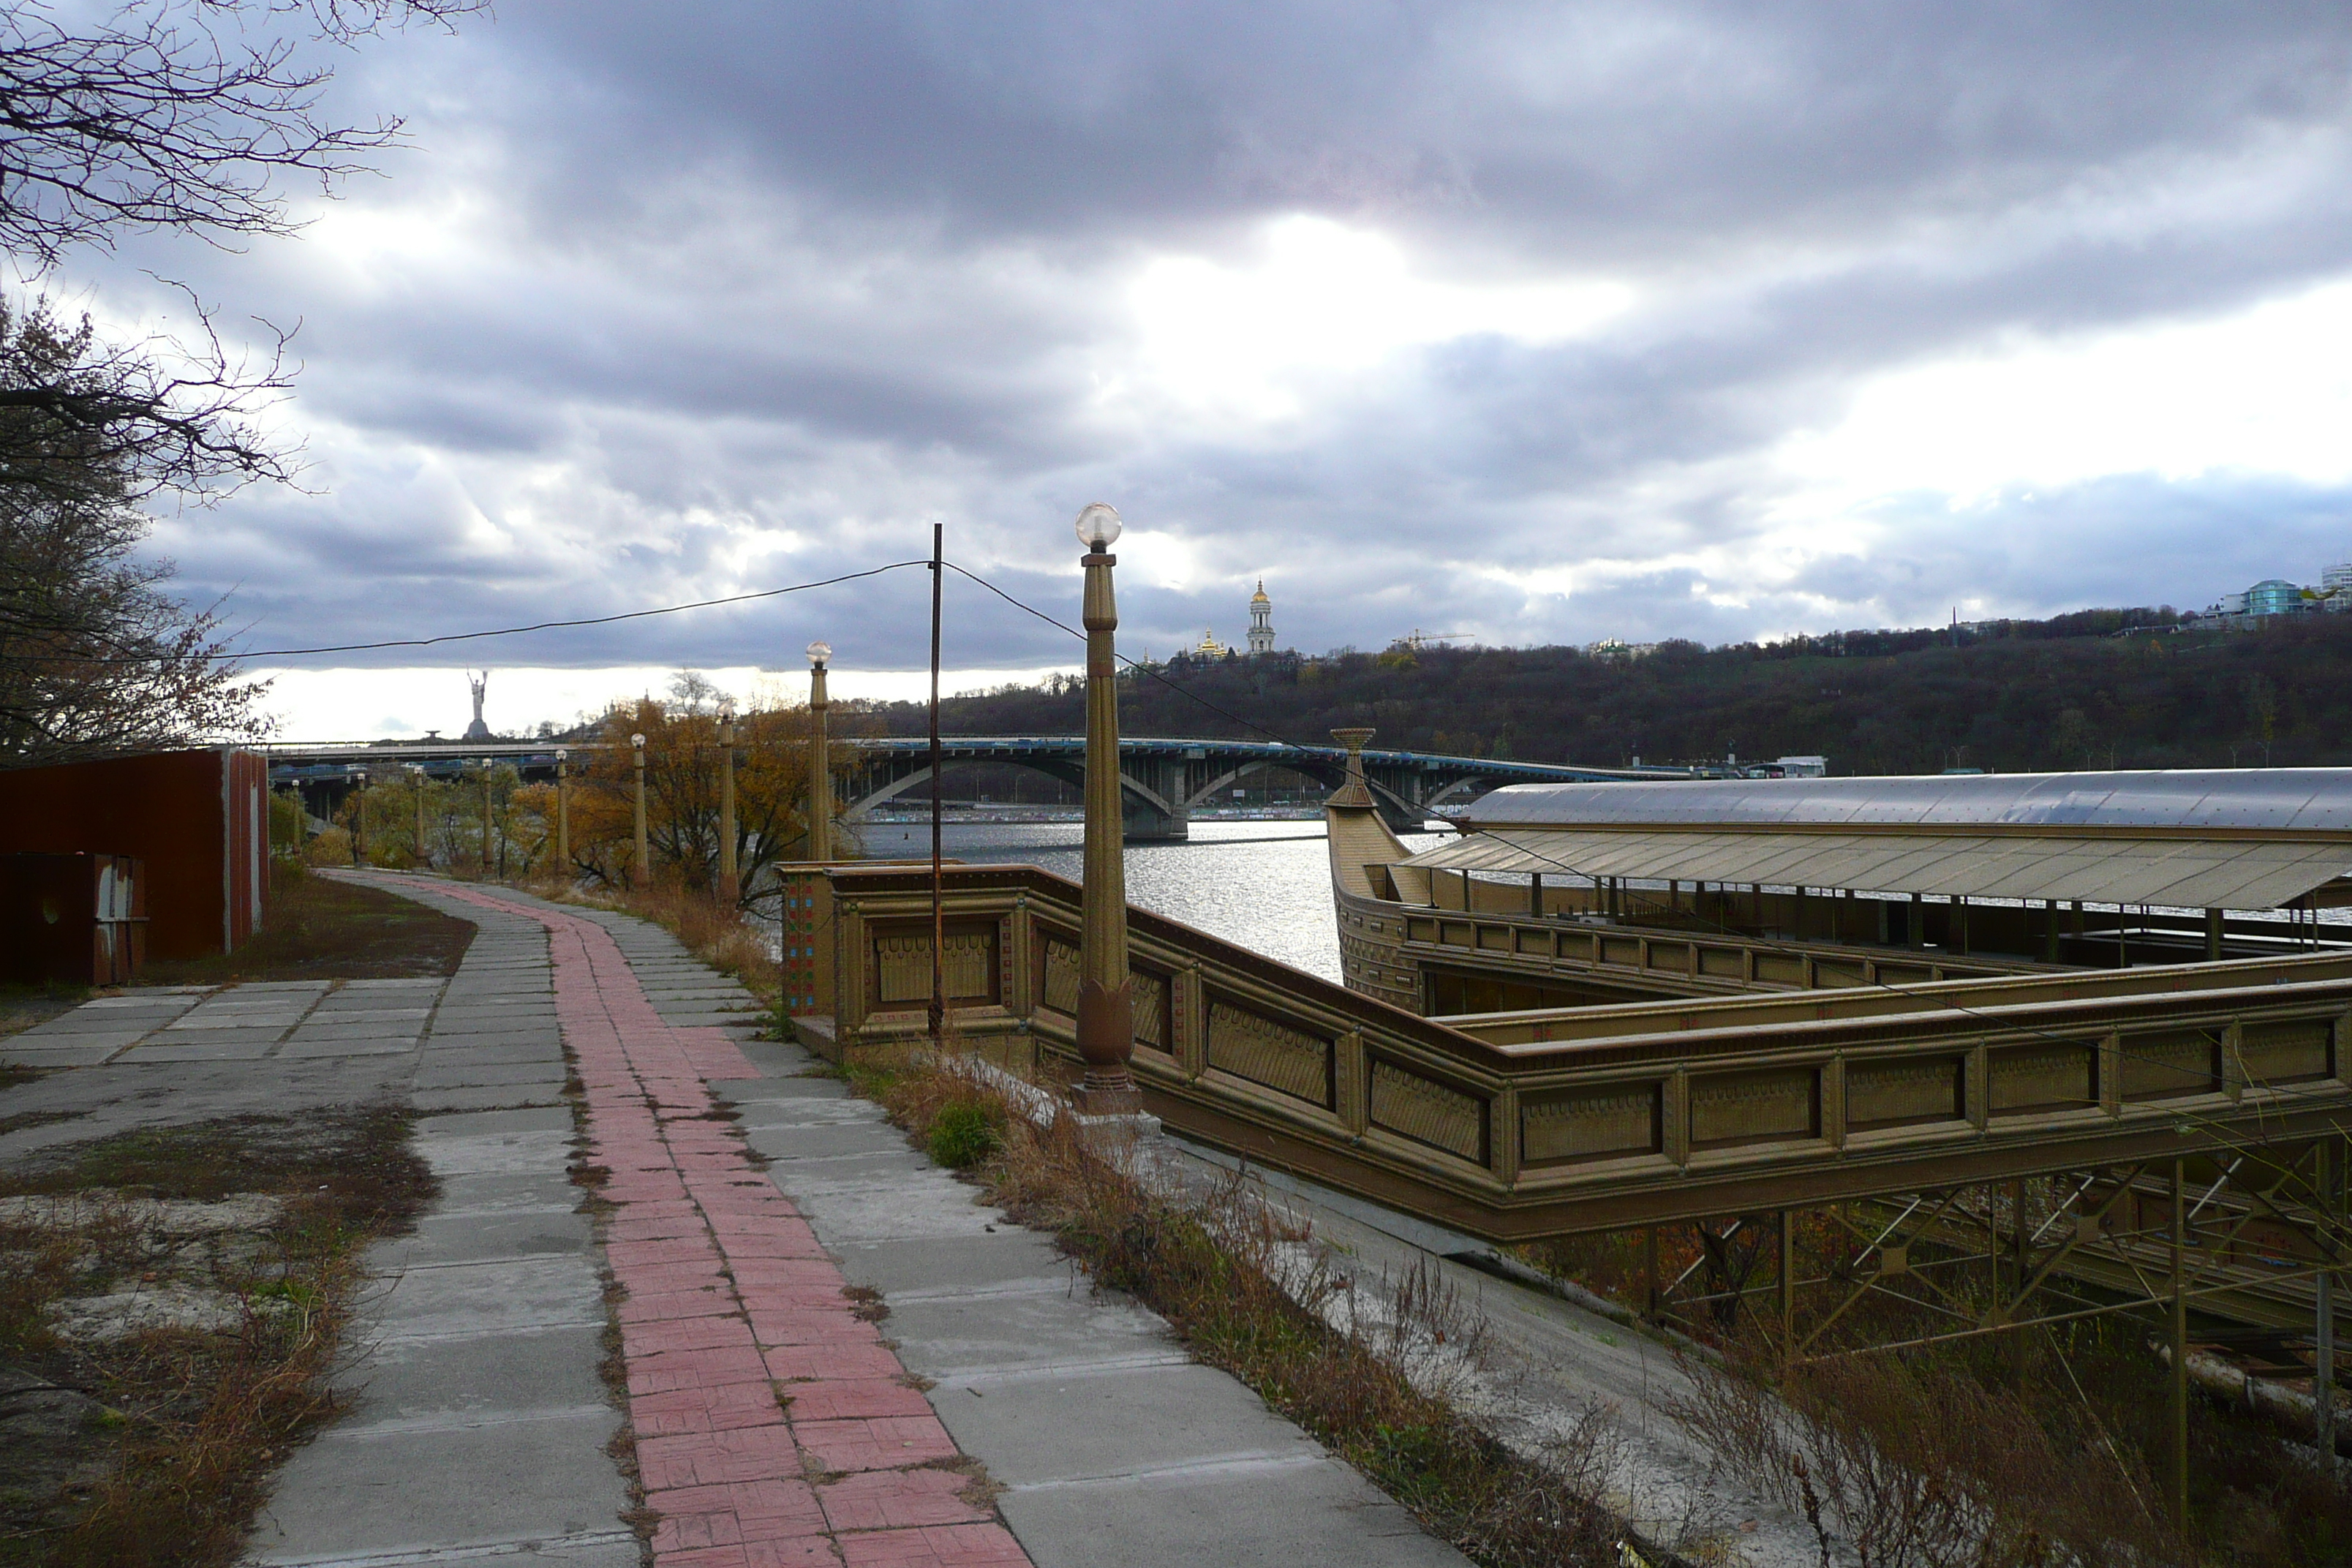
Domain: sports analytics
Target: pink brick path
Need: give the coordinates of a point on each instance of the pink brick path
(772, 1426)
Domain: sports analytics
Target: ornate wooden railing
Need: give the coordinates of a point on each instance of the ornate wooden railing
(1520, 1125)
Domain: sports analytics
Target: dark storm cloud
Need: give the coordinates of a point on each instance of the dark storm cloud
(736, 295)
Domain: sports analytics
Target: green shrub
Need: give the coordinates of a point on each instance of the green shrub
(962, 1135)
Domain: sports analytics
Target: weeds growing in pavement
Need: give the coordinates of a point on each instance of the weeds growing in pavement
(181, 1350)
(1253, 1295)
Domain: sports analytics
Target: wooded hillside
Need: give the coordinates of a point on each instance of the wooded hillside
(2025, 696)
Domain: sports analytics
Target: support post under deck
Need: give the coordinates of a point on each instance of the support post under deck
(2329, 1157)
(2179, 1412)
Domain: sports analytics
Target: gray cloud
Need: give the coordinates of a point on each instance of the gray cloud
(668, 305)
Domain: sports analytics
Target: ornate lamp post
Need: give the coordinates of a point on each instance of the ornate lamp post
(489, 834)
(1105, 1004)
(730, 885)
(417, 782)
(820, 822)
(359, 813)
(639, 872)
(563, 810)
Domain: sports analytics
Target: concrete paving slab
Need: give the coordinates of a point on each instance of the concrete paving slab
(488, 1235)
(802, 1141)
(1010, 1253)
(538, 1153)
(299, 1049)
(491, 1297)
(489, 1124)
(445, 1054)
(507, 1097)
(1059, 1424)
(439, 1075)
(1245, 1513)
(550, 1370)
(88, 1050)
(217, 1033)
(87, 1019)
(355, 1491)
(252, 1051)
(1021, 1322)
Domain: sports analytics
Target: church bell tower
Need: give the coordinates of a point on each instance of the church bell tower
(1261, 626)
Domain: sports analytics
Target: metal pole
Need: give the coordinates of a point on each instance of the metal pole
(2212, 935)
(640, 872)
(2179, 1423)
(1105, 1004)
(416, 777)
(730, 886)
(1787, 1280)
(489, 834)
(1649, 1272)
(2329, 1155)
(359, 817)
(938, 1010)
(563, 811)
(820, 833)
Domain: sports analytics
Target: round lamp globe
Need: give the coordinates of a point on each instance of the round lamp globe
(1099, 526)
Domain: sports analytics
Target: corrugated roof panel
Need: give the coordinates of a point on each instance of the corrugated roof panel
(2303, 799)
(2236, 873)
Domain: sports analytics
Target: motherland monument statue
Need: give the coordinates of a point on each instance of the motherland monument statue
(478, 729)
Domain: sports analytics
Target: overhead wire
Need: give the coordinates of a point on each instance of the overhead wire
(216, 656)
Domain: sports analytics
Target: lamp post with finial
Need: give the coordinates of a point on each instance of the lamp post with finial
(639, 871)
(417, 782)
(820, 779)
(1105, 1004)
(730, 886)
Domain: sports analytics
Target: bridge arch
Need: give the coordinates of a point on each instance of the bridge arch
(1149, 815)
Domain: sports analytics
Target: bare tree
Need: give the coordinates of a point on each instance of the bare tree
(176, 114)
(180, 116)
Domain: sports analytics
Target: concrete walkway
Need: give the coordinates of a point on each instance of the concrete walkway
(1104, 1443)
(827, 1351)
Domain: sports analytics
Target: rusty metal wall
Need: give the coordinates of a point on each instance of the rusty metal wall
(197, 819)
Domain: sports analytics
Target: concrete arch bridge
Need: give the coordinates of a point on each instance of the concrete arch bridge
(1164, 781)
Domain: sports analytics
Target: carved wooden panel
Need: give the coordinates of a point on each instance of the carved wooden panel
(1730, 961)
(1428, 1112)
(1495, 939)
(1062, 976)
(1454, 935)
(1838, 972)
(1626, 950)
(2163, 1066)
(1535, 942)
(1249, 1045)
(1591, 1124)
(1902, 1093)
(1902, 973)
(2045, 1078)
(902, 964)
(1780, 968)
(1578, 945)
(1672, 955)
(2286, 1053)
(1147, 991)
(1755, 1107)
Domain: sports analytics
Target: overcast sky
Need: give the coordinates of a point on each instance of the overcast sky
(1539, 323)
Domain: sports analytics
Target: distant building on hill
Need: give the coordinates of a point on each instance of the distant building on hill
(1261, 627)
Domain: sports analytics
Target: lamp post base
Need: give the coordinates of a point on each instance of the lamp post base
(1108, 1093)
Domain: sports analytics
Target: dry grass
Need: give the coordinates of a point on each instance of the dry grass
(1253, 1295)
(1914, 1465)
(317, 929)
(1989, 1451)
(179, 1427)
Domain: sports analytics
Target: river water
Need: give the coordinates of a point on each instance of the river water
(1266, 885)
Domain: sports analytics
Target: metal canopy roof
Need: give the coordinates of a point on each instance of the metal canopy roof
(2210, 839)
(2193, 873)
(2290, 800)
